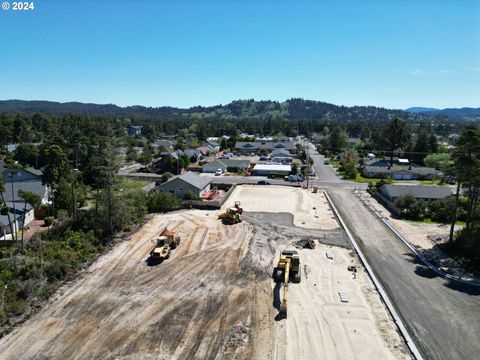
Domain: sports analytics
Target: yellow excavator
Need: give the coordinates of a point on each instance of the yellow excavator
(288, 269)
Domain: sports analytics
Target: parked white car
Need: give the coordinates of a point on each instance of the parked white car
(218, 172)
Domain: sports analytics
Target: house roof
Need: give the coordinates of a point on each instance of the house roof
(395, 169)
(272, 167)
(281, 152)
(418, 191)
(4, 219)
(267, 145)
(33, 186)
(225, 163)
(191, 178)
(191, 152)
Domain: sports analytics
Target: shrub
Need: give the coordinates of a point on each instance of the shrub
(191, 196)
(409, 207)
(48, 220)
(162, 202)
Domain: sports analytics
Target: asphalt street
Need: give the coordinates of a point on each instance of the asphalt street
(442, 317)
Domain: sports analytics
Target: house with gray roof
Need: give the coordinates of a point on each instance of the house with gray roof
(27, 179)
(281, 153)
(420, 192)
(247, 148)
(399, 172)
(187, 182)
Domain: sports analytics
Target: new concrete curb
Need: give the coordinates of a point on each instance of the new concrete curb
(386, 299)
(417, 253)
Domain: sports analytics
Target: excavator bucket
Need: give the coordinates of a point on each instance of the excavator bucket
(283, 310)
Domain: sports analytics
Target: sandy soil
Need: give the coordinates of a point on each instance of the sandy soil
(418, 234)
(215, 298)
(309, 210)
(319, 323)
(123, 309)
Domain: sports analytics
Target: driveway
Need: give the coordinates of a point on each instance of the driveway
(442, 317)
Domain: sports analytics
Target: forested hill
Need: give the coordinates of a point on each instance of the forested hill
(296, 109)
(465, 112)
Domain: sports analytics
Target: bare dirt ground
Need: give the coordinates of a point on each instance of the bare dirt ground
(310, 210)
(190, 306)
(319, 325)
(214, 298)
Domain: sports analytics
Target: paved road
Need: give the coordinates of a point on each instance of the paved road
(324, 172)
(442, 317)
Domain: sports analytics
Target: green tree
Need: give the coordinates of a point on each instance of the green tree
(57, 168)
(409, 207)
(438, 161)
(147, 155)
(394, 136)
(27, 154)
(467, 171)
(338, 139)
(29, 198)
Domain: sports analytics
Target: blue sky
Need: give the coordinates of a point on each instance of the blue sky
(387, 53)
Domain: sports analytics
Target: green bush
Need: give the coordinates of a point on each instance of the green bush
(162, 202)
(191, 196)
(410, 208)
(48, 220)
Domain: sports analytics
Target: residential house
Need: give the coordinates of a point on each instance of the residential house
(398, 172)
(269, 169)
(213, 146)
(194, 153)
(187, 182)
(205, 150)
(24, 179)
(281, 153)
(420, 192)
(402, 169)
(167, 145)
(231, 165)
(133, 130)
(247, 148)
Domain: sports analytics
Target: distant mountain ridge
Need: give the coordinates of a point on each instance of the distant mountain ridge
(454, 112)
(295, 109)
(421, 109)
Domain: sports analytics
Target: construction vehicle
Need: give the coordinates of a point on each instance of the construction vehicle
(238, 207)
(232, 215)
(288, 269)
(172, 240)
(166, 242)
(162, 250)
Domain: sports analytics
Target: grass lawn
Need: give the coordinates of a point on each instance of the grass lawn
(430, 221)
(359, 178)
(129, 184)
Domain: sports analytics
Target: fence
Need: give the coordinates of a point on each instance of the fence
(213, 204)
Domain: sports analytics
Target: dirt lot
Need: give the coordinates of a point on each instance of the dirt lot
(213, 299)
(310, 210)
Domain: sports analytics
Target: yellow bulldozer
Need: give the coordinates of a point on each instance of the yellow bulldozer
(164, 245)
(288, 269)
(232, 215)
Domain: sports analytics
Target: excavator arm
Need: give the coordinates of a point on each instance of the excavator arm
(283, 306)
